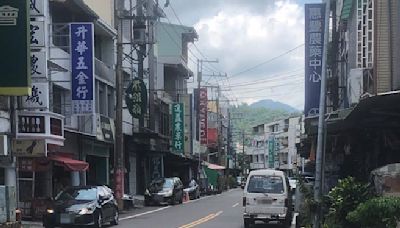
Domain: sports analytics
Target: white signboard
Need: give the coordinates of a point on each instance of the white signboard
(37, 33)
(38, 64)
(36, 7)
(39, 99)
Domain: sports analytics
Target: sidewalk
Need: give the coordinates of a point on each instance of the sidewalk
(138, 204)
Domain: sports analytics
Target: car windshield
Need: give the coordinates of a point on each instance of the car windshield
(168, 183)
(265, 184)
(78, 194)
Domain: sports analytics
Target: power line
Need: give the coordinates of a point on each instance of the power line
(268, 61)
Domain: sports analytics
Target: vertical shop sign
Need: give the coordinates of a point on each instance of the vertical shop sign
(178, 134)
(37, 34)
(14, 46)
(156, 167)
(136, 98)
(314, 39)
(39, 97)
(203, 102)
(38, 64)
(82, 57)
(271, 152)
(36, 7)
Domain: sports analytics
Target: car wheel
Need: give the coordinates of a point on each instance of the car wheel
(172, 201)
(98, 220)
(115, 220)
(247, 222)
(181, 200)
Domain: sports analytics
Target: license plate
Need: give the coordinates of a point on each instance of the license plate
(264, 201)
(65, 219)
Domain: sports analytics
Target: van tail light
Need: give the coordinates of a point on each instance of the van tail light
(244, 201)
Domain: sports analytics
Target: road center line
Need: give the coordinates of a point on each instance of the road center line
(202, 220)
(235, 205)
(144, 213)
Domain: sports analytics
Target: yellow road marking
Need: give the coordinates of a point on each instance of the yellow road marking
(202, 220)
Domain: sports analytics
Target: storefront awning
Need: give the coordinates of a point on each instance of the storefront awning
(215, 167)
(69, 163)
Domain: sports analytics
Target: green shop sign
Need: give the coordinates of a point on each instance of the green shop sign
(136, 98)
(15, 48)
(178, 133)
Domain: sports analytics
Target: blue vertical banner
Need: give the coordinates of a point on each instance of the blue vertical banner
(82, 67)
(314, 49)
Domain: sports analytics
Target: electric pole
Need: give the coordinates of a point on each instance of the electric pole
(321, 123)
(151, 62)
(119, 142)
(139, 32)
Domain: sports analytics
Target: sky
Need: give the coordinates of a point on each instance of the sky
(258, 44)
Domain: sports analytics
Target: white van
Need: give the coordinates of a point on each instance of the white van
(267, 198)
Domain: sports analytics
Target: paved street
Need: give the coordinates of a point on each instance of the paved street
(217, 211)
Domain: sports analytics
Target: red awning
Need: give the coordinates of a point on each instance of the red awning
(215, 167)
(69, 163)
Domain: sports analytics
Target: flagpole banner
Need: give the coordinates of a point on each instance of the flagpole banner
(82, 68)
(314, 49)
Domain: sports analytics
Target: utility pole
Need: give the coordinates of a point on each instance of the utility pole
(151, 63)
(319, 169)
(141, 52)
(119, 142)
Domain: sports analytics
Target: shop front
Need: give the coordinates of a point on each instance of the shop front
(42, 178)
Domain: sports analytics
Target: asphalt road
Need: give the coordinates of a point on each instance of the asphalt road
(218, 211)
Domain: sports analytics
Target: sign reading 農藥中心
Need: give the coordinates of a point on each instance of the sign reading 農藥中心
(82, 77)
(314, 40)
(178, 134)
(14, 46)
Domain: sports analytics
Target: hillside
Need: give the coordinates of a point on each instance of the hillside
(273, 105)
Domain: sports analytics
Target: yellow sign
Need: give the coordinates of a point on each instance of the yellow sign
(29, 148)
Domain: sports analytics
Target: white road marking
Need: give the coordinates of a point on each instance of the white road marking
(160, 209)
(144, 213)
(235, 205)
(294, 218)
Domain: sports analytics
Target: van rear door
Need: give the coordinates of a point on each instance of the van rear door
(266, 195)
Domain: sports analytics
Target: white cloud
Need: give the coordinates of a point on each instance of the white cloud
(242, 34)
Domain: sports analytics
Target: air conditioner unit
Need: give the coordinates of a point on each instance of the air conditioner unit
(3, 145)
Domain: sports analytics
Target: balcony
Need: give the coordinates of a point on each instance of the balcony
(104, 71)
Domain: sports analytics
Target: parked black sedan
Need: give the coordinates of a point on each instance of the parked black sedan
(84, 205)
(164, 191)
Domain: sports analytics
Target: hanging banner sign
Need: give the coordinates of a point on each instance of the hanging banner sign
(178, 134)
(82, 67)
(14, 46)
(203, 110)
(314, 40)
(136, 98)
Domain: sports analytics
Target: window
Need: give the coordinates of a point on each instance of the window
(266, 184)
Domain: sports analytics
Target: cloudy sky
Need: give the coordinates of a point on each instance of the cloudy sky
(259, 44)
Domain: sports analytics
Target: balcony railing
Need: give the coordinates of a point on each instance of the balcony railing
(103, 71)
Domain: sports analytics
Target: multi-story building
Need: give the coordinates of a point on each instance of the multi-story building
(363, 90)
(274, 144)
